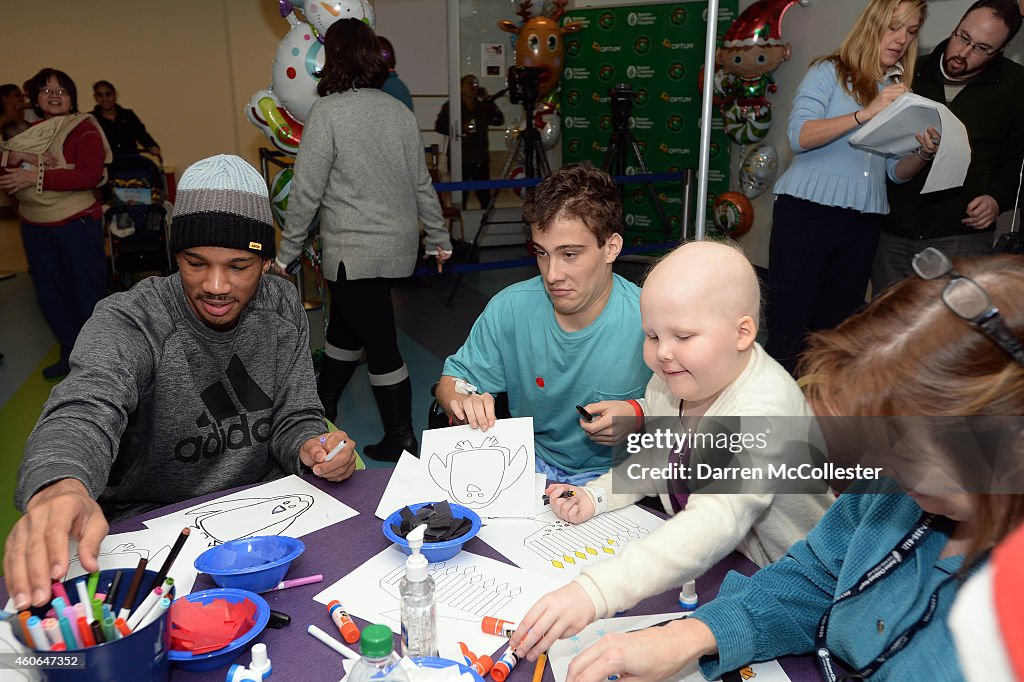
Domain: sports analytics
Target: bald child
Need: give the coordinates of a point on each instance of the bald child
(700, 308)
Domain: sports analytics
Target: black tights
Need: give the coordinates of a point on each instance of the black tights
(362, 316)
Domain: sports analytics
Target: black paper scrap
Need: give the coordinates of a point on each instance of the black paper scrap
(441, 524)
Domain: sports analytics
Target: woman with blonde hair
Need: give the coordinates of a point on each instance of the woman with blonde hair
(830, 201)
(871, 586)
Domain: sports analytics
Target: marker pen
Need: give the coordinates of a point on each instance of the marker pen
(84, 599)
(564, 496)
(154, 613)
(68, 631)
(35, 627)
(52, 630)
(58, 605)
(94, 580)
(138, 614)
(296, 582)
(57, 588)
(23, 622)
(583, 413)
(85, 632)
(335, 450)
(333, 643)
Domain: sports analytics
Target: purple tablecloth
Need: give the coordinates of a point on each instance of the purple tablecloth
(339, 549)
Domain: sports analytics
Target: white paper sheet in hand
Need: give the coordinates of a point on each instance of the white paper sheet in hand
(492, 473)
(548, 545)
(124, 550)
(467, 588)
(288, 506)
(893, 131)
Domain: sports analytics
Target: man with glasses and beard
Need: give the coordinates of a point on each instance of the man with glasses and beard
(969, 74)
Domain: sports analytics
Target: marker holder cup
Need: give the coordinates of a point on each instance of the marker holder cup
(139, 655)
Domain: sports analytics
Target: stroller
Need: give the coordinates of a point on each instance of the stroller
(137, 220)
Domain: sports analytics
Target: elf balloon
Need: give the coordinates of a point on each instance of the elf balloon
(280, 111)
(751, 51)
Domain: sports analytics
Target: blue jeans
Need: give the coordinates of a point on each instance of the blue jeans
(69, 272)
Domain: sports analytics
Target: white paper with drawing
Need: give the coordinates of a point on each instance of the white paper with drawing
(492, 473)
(288, 506)
(123, 550)
(468, 587)
(892, 132)
(546, 544)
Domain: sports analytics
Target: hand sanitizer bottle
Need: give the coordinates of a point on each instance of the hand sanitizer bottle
(416, 590)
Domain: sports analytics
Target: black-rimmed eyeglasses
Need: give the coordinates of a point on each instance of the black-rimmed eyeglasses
(982, 48)
(966, 299)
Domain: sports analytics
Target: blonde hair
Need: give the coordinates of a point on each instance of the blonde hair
(856, 60)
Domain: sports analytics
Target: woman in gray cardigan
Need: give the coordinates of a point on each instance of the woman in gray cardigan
(361, 164)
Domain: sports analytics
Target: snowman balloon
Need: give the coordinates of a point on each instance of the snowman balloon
(280, 111)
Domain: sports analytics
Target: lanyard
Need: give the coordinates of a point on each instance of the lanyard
(909, 544)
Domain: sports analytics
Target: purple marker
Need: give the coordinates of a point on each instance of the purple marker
(295, 582)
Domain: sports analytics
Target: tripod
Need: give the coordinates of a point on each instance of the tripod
(620, 143)
(530, 149)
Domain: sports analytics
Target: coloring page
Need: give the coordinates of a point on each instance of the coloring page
(557, 548)
(492, 473)
(124, 550)
(288, 506)
(467, 588)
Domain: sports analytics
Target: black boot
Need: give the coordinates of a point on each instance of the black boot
(334, 377)
(394, 403)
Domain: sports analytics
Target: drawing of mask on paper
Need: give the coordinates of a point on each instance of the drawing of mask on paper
(227, 520)
(476, 475)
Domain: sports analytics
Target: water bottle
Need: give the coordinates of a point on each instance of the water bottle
(376, 662)
(416, 590)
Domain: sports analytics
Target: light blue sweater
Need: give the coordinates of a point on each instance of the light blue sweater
(835, 174)
(776, 611)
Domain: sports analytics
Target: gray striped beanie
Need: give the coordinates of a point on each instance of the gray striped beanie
(223, 201)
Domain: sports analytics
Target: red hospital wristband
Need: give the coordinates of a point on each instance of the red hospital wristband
(639, 414)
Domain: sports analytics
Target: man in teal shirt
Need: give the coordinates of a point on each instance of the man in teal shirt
(571, 336)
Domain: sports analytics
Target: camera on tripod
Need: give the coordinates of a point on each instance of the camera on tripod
(524, 84)
(622, 105)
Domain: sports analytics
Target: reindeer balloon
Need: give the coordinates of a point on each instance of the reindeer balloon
(539, 44)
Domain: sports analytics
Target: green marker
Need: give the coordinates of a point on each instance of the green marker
(94, 580)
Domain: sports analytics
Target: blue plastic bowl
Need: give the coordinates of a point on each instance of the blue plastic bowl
(256, 564)
(215, 659)
(435, 551)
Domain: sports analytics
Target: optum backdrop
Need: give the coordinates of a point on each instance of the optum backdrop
(658, 50)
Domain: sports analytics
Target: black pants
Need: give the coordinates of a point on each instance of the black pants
(477, 171)
(362, 316)
(819, 262)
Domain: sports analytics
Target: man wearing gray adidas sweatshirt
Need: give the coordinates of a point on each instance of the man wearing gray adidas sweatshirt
(183, 386)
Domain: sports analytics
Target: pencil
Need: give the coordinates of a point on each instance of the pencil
(133, 588)
(538, 670)
(169, 561)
